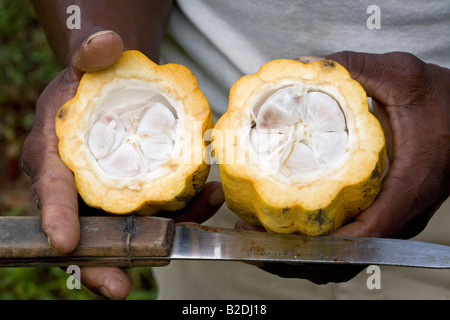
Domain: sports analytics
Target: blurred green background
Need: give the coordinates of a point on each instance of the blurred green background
(27, 65)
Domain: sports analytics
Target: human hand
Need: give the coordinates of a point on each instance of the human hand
(53, 184)
(411, 99)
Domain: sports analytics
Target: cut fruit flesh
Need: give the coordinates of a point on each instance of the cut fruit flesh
(133, 132)
(133, 142)
(298, 130)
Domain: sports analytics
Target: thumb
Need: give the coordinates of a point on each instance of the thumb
(94, 52)
(365, 68)
(392, 78)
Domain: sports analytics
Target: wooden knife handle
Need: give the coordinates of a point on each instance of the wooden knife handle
(122, 241)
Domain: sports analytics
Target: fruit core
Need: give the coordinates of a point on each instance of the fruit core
(298, 130)
(133, 130)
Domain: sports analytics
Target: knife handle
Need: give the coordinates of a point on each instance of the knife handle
(121, 241)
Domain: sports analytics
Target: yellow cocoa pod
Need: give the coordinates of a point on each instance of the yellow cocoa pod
(132, 136)
(298, 149)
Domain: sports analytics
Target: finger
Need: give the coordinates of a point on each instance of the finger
(364, 68)
(202, 207)
(110, 282)
(55, 193)
(96, 51)
(381, 75)
(400, 209)
(53, 187)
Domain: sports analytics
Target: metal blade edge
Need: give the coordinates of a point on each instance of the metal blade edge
(196, 242)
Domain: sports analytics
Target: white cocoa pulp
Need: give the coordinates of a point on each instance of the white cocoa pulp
(299, 130)
(133, 131)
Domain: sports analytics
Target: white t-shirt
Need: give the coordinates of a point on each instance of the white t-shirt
(222, 40)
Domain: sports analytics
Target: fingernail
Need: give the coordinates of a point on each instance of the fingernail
(309, 59)
(216, 197)
(96, 34)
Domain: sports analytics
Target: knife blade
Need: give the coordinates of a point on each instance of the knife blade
(149, 241)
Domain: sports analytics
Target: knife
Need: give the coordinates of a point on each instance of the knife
(130, 241)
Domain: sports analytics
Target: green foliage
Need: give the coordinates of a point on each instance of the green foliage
(26, 61)
(27, 65)
(50, 284)
(39, 284)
